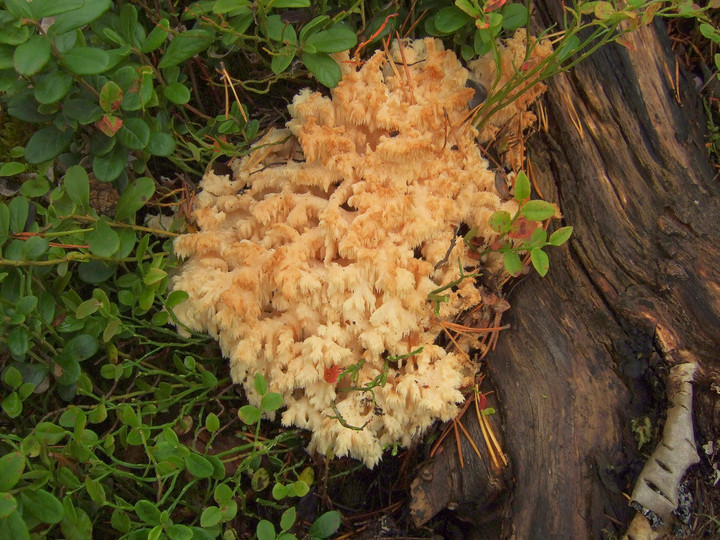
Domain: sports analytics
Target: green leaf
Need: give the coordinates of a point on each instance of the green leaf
(271, 401)
(110, 97)
(326, 525)
(132, 32)
(537, 239)
(198, 466)
(522, 187)
(336, 39)
(223, 494)
(8, 505)
(708, 31)
(6, 59)
(282, 4)
(325, 69)
(25, 306)
(20, 9)
(31, 57)
(212, 422)
(538, 210)
(147, 512)
(4, 221)
(95, 490)
(186, 45)
(13, 378)
(69, 369)
(209, 380)
(81, 347)
(156, 37)
(283, 59)
(604, 10)
(11, 168)
(450, 19)
(52, 87)
(134, 133)
(13, 35)
(76, 525)
(135, 196)
(43, 506)
(37, 186)
(279, 492)
(514, 16)
(96, 271)
(91, 10)
(154, 275)
(299, 488)
(108, 167)
(46, 144)
(468, 7)
(130, 417)
(34, 247)
(176, 298)
(103, 241)
(155, 533)
(177, 92)
(287, 520)
(22, 105)
(559, 237)
(279, 30)
(19, 209)
(12, 466)
(120, 521)
(228, 6)
(500, 221)
(14, 527)
(568, 48)
(313, 26)
(48, 8)
(211, 516)
(49, 433)
(87, 308)
(265, 530)
(540, 261)
(260, 384)
(77, 186)
(82, 110)
(512, 262)
(249, 414)
(177, 531)
(86, 60)
(161, 144)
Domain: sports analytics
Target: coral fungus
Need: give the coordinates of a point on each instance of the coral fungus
(319, 253)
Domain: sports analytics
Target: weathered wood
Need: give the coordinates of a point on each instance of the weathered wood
(475, 488)
(625, 159)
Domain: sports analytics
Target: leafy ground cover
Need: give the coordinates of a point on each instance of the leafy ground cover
(113, 425)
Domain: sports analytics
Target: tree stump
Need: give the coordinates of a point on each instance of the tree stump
(624, 156)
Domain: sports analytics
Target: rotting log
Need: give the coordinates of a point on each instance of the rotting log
(638, 283)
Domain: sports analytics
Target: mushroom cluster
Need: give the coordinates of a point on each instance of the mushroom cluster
(314, 261)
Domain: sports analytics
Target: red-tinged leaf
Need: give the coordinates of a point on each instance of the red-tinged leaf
(629, 45)
(481, 401)
(109, 125)
(492, 5)
(523, 228)
(331, 374)
(111, 97)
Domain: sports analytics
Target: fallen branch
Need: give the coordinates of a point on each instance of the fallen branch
(656, 490)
